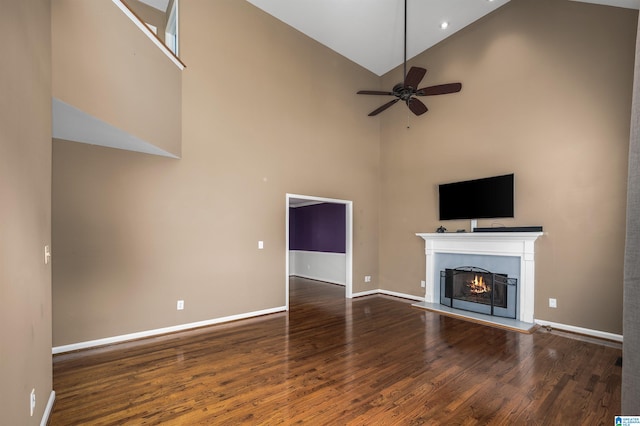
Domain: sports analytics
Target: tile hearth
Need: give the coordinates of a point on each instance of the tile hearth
(506, 323)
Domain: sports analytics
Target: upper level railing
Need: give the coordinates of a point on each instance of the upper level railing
(171, 50)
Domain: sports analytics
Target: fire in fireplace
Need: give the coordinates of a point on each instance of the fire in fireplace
(478, 286)
(478, 290)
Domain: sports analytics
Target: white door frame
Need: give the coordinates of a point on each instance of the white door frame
(348, 243)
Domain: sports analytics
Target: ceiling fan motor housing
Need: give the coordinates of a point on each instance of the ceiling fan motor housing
(404, 93)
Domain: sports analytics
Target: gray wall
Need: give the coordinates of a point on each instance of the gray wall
(631, 316)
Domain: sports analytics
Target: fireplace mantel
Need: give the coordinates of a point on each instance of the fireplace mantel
(516, 244)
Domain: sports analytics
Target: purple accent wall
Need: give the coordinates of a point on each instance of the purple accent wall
(321, 227)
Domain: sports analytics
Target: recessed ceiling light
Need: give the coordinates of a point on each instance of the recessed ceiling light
(444, 25)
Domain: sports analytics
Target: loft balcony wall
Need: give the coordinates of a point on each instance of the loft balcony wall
(104, 66)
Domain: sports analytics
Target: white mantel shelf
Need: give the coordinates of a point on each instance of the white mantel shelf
(517, 244)
(480, 238)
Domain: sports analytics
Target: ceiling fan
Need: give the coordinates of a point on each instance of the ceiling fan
(409, 89)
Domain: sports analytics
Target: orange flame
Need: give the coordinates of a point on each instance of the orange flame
(478, 286)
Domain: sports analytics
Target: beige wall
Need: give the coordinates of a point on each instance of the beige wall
(25, 209)
(266, 111)
(546, 95)
(115, 73)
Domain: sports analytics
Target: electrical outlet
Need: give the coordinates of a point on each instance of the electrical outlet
(47, 254)
(367, 278)
(32, 401)
(553, 303)
(260, 245)
(180, 305)
(423, 283)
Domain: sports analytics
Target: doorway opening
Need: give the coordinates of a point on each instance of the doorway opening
(298, 200)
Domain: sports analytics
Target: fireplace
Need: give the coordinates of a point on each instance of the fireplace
(512, 253)
(479, 290)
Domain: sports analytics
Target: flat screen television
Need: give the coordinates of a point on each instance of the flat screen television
(485, 198)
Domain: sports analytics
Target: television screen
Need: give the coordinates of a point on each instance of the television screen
(486, 198)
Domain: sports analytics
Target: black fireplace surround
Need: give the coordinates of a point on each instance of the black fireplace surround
(478, 290)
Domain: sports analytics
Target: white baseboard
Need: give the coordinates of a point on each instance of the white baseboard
(48, 409)
(311, 277)
(133, 336)
(402, 295)
(365, 293)
(388, 293)
(580, 330)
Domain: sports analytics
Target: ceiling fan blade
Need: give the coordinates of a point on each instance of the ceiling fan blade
(383, 107)
(441, 89)
(374, 92)
(416, 106)
(414, 77)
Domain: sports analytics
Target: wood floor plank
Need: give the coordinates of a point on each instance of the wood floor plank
(331, 360)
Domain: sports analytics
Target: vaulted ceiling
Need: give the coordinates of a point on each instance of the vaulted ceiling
(371, 32)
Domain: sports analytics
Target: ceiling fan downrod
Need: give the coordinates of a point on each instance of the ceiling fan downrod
(404, 68)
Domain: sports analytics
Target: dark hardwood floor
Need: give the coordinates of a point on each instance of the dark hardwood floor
(372, 360)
